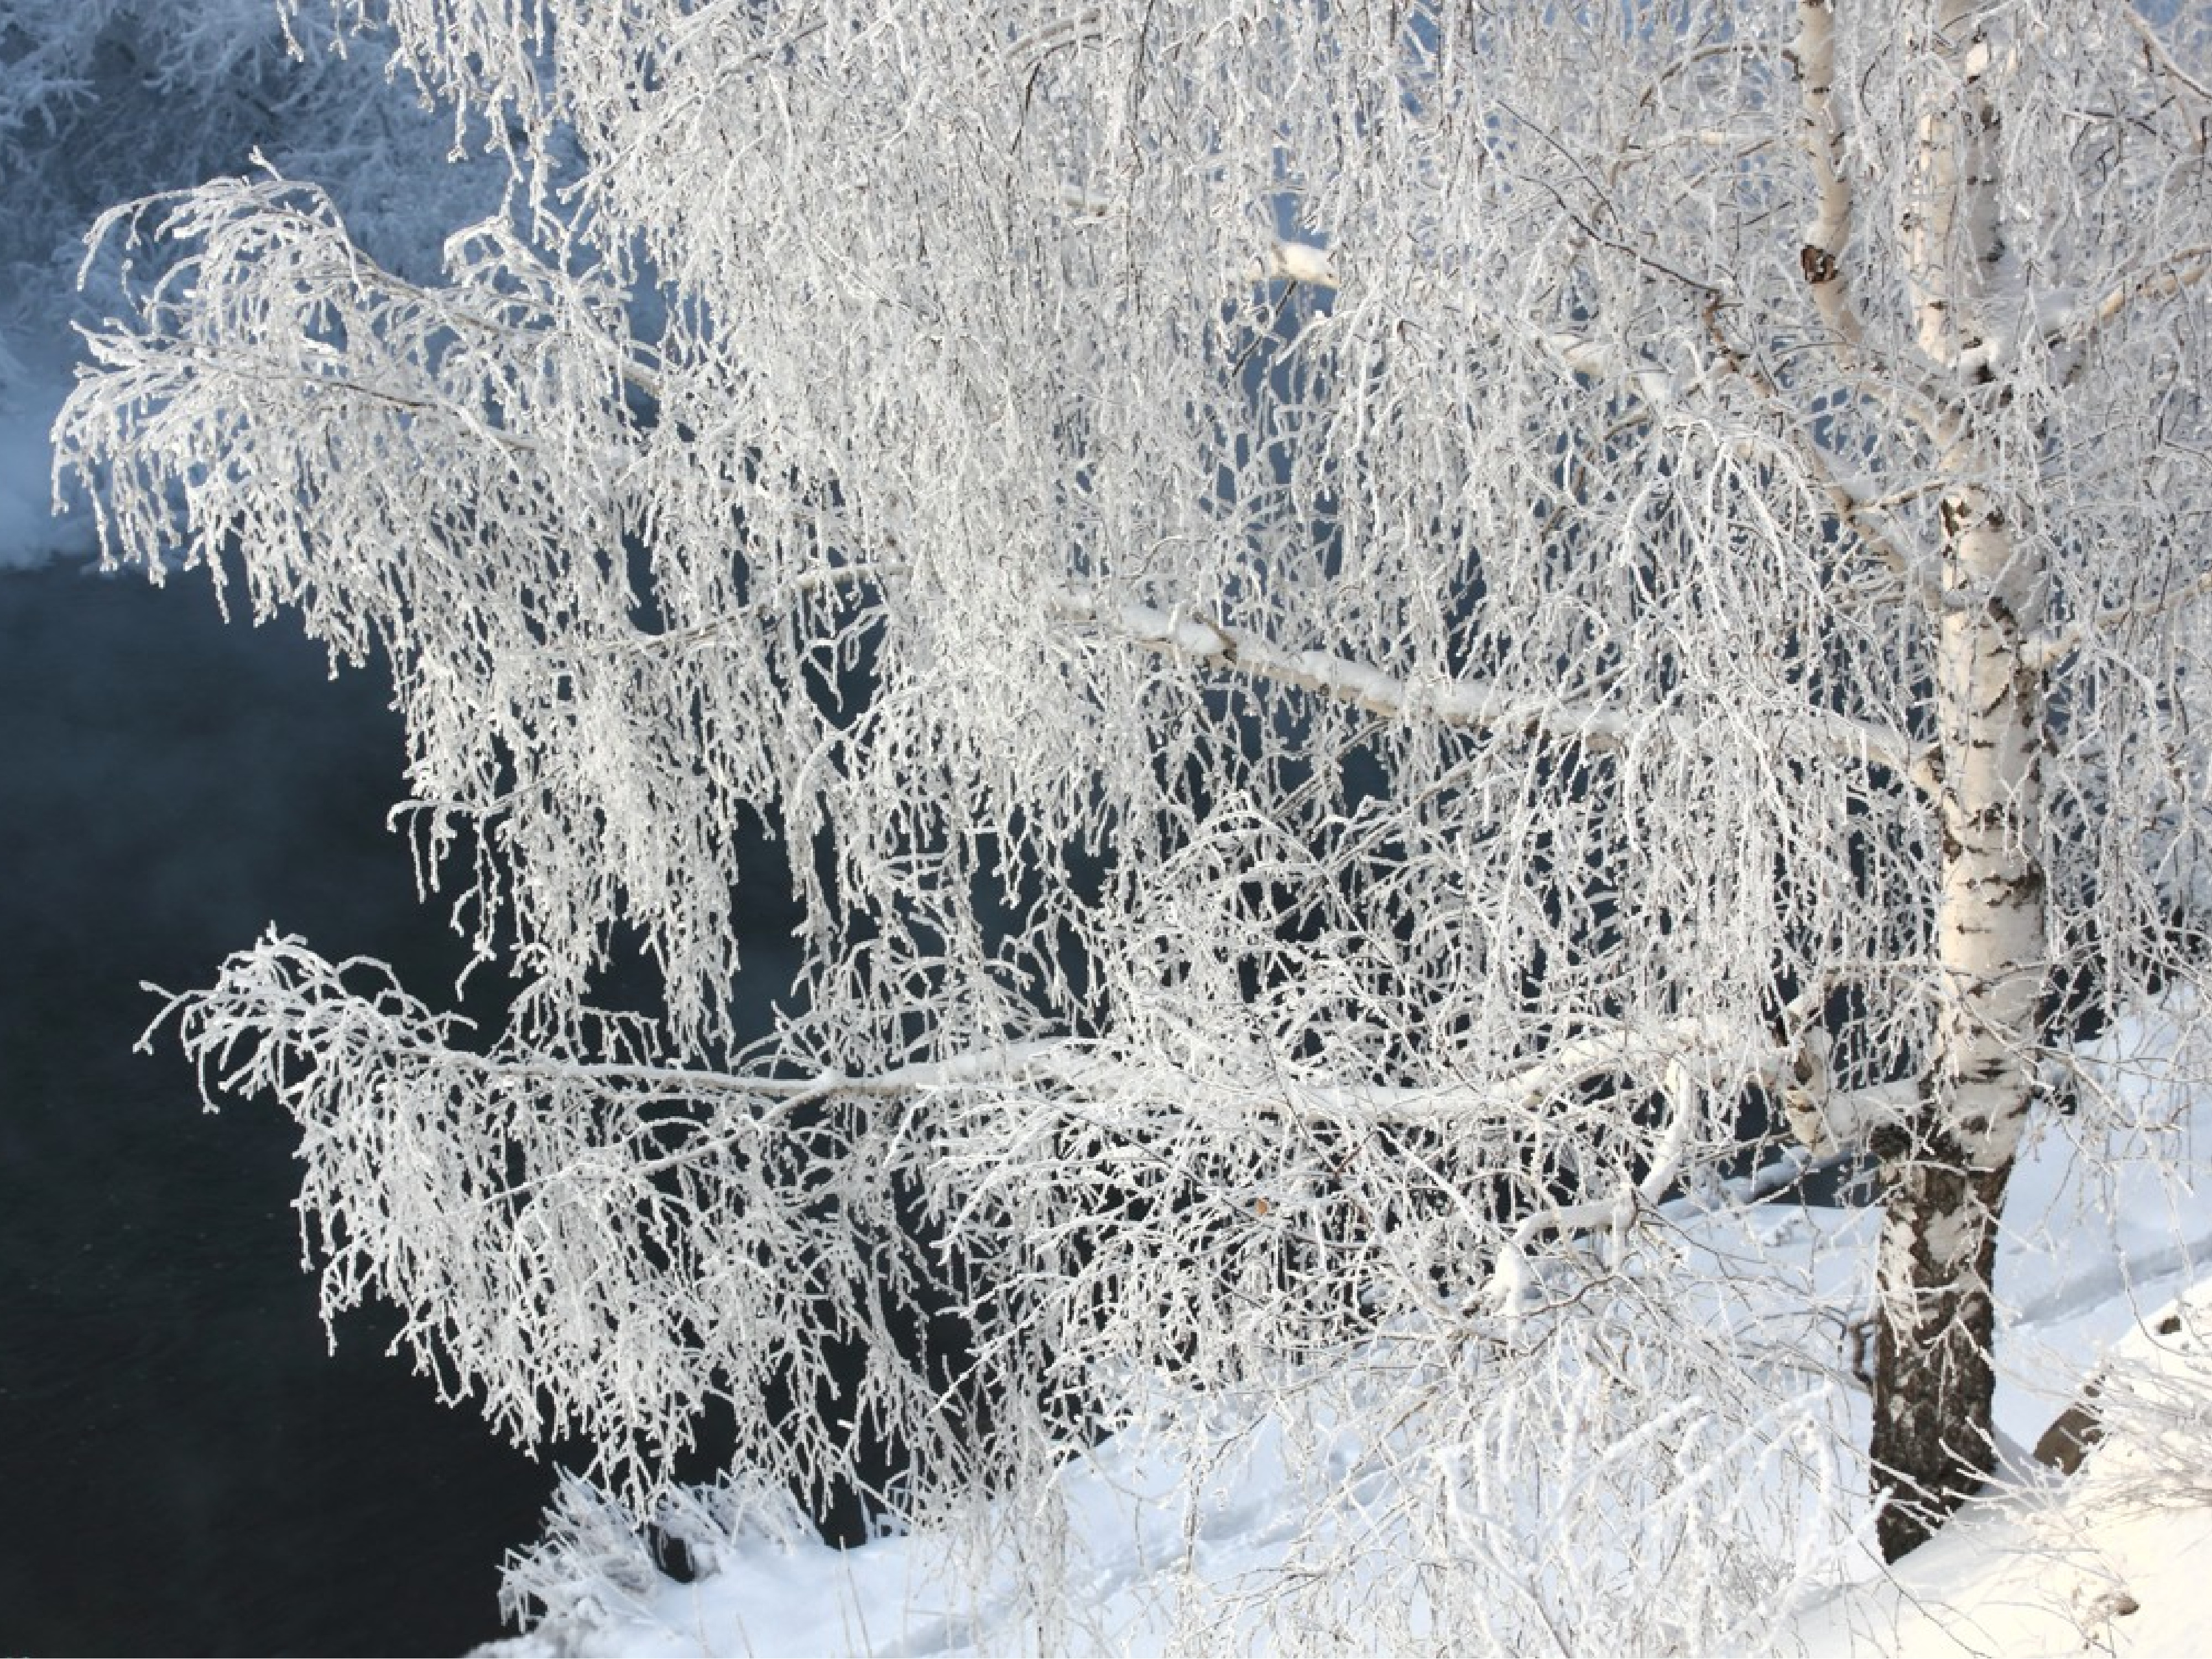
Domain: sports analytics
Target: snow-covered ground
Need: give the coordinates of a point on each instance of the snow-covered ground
(2097, 1279)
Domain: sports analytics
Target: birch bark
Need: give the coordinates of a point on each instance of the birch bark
(1945, 1170)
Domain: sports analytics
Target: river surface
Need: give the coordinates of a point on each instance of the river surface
(188, 1470)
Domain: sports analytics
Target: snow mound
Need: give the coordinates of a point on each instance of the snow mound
(2108, 1310)
(2109, 1559)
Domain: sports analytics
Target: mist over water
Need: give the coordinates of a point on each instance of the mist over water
(188, 1471)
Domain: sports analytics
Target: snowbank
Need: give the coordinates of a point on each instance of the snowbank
(2101, 1254)
(2110, 1559)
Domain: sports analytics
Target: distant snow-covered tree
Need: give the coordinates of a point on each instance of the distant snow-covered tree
(1363, 622)
(105, 99)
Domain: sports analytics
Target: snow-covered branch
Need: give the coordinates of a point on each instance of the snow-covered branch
(1853, 501)
(1470, 705)
(2053, 646)
(2071, 328)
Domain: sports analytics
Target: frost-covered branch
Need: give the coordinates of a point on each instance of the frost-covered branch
(2053, 646)
(2071, 327)
(1661, 398)
(1471, 705)
(566, 1235)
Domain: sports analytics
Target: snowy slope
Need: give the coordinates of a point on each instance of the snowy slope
(2113, 1558)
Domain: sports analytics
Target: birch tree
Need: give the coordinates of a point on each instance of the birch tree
(1360, 621)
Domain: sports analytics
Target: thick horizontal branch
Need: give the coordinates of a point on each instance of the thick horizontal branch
(1464, 703)
(2047, 650)
(2073, 327)
(280, 1003)
(1083, 1070)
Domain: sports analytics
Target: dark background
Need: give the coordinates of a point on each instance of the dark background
(187, 1469)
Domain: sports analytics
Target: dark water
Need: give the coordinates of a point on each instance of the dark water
(187, 1470)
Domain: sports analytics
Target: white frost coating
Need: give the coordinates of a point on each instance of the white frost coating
(1949, 1241)
(1303, 262)
(1280, 775)
(1477, 707)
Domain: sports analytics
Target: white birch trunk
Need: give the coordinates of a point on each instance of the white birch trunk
(1945, 1174)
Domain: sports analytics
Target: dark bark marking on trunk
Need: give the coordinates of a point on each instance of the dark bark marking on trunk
(1934, 1377)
